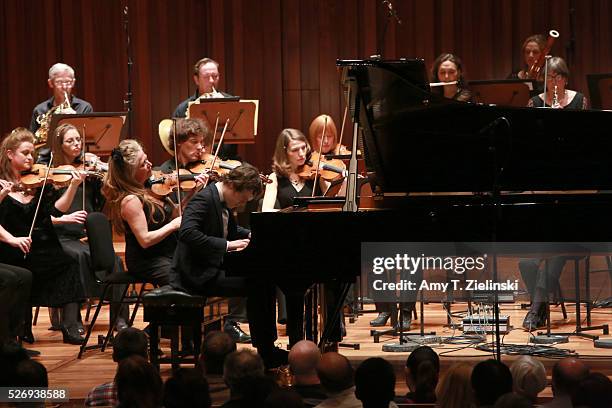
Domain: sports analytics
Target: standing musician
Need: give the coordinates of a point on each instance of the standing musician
(557, 94)
(192, 137)
(149, 226)
(61, 81)
(207, 233)
(206, 77)
(28, 230)
(448, 68)
(67, 148)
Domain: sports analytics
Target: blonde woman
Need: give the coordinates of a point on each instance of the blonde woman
(455, 389)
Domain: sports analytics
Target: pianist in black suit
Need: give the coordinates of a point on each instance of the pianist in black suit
(208, 231)
(448, 68)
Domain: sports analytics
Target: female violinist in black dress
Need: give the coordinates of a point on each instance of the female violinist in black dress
(56, 280)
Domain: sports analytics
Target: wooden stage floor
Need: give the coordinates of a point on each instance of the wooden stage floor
(79, 376)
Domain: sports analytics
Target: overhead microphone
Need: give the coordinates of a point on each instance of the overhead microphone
(392, 12)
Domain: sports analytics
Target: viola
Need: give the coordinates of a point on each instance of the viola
(58, 176)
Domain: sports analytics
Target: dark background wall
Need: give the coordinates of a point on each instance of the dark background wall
(281, 52)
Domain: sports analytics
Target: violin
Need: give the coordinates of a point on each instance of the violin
(162, 184)
(329, 170)
(221, 167)
(58, 176)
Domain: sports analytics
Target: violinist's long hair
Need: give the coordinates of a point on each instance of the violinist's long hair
(59, 157)
(120, 182)
(316, 127)
(280, 163)
(12, 142)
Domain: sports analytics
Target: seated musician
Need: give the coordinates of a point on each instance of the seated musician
(55, 275)
(448, 68)
(66, 146)
(207, 233)
(330, 145)
(192, 137)
(531, 50)
(557, 94)
(149, 225)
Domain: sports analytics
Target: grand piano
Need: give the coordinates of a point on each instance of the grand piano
(443, 171)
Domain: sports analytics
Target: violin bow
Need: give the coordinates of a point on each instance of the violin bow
(42, 190)
(314, 185)
(176, 166)
(212, 164)
(343, 120)
(83, 161)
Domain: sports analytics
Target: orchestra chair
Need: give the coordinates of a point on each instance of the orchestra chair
(107, 272)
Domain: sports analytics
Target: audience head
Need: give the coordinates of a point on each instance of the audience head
(240, 368)
(566, 375)
(335, 372)
(528, 377)
(303, 359)
(31, 373)
(375, 382)
(455, 389)
(595, 391)
(216, 346)
(490, 380)
(129, 342)
(512, 400)
(138, 383)
(283, 398)
(187, 388)
(422, 369)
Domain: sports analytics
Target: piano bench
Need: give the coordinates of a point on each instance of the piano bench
(167, 307)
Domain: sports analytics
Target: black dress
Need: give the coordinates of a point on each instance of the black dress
(55, 276)
(153, 263)
(286, 192)
(579, 102)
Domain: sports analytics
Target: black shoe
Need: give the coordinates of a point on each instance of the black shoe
(54, 328)
(380, 320)
(406, 322)
(121, 324)
(72, 336)
(187, 348)
(32, 353)
(536, 317)
(28, 337)
(234, 330)
(274, 357)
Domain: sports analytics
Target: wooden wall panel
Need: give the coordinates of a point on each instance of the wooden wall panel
(281, 52)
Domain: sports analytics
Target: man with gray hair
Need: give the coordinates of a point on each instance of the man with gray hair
(528, 377)
(61, 81)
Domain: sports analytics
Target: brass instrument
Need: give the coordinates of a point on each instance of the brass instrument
(44, 120)
(534, 70)
(207, 95)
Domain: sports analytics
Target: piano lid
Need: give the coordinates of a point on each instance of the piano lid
(416, 141)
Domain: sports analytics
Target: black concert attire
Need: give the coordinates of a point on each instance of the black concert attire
(294, 302)
(206, 228)
(15, 284)
(55, 275)
(227, 151)
(152, 263)
(578, 102)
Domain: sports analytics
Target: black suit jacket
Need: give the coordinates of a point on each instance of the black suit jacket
(201, 246)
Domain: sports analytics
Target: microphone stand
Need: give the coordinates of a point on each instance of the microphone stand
(127, 103)
(391, 13)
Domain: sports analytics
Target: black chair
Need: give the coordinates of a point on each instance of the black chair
(108, 273)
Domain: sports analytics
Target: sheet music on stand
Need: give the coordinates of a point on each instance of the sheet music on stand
(503, 92)
(242, 114)
(103, 130)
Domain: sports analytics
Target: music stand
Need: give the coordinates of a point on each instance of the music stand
(102, 130)
(242, 116)
(504, 92)
(600, 90)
